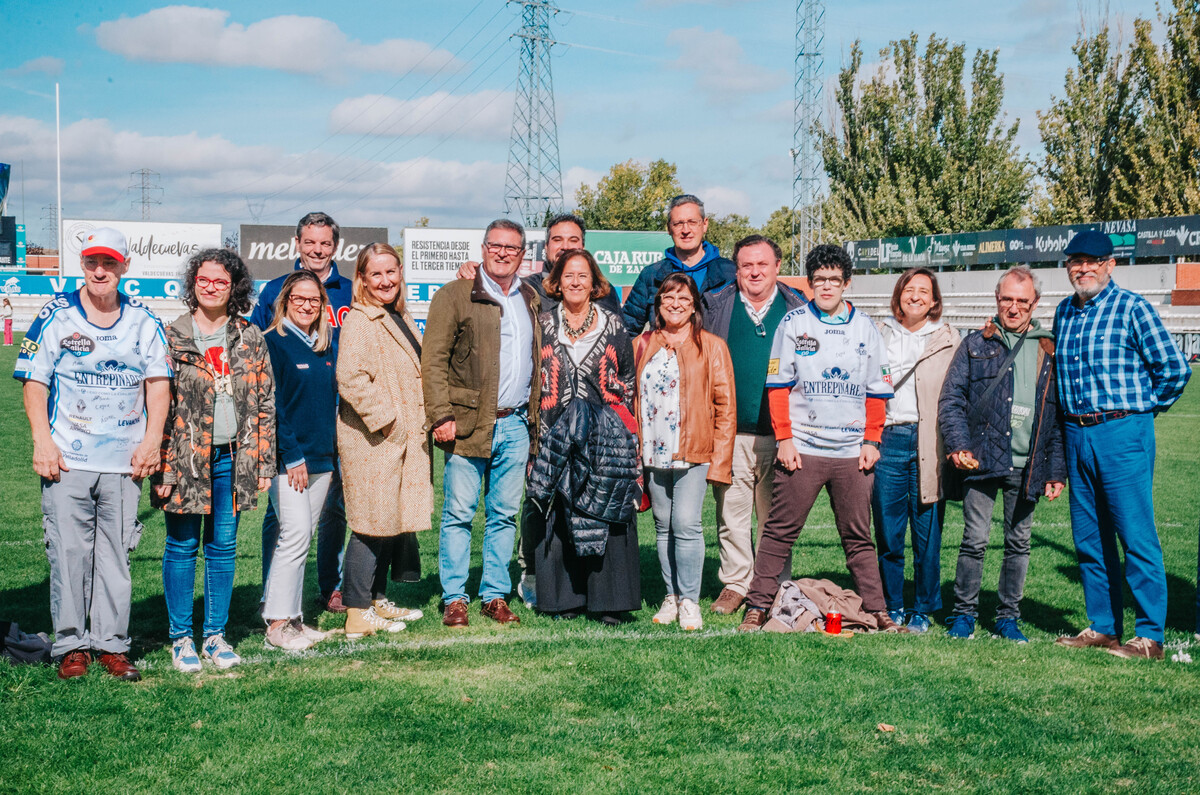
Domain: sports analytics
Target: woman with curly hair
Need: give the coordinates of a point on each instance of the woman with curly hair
(218, 446)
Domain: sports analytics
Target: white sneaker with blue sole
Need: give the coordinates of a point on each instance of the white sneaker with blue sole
(220, 653)
(184, 657)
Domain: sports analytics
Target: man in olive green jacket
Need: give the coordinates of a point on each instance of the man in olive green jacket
(481, 372)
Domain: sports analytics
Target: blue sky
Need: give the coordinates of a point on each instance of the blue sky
(381, 113)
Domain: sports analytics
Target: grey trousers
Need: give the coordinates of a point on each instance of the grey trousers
(91, 526)
(978, 503)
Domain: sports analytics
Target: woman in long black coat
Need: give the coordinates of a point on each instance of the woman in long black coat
(586, 355)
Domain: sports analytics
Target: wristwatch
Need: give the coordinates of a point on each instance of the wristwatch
(873, 444)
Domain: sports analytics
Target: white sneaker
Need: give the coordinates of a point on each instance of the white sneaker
(394, 612)
(284, 635)
(527, 590)
(218, 651)
(314, 635)
(689, 615)
(669, 610)
(184, 657)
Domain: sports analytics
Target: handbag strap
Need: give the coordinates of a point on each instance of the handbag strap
(1008, 360)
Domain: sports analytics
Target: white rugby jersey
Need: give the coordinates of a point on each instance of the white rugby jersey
(831, 370)
(97, 403)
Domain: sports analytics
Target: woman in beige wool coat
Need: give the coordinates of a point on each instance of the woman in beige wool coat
(382, 443)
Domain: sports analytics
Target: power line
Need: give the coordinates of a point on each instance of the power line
(144, 183)
(533, 183)
(807, 164)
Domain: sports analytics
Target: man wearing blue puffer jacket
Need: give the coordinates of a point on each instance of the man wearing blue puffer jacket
(691, 254)
(1001, 427)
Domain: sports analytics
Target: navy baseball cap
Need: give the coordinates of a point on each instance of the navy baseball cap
(1090, 243)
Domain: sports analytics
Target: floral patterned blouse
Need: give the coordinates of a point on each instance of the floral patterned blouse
(659, 393)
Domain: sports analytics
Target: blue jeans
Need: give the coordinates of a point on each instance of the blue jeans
(331, 537)
(677, 500)
(1111, 467)
(895, 502)
(219, 531)
(503, 480)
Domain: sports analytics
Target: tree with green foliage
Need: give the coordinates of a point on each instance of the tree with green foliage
(1165, 150)
(1087, 134)
(630, 197)
(726, 230)
(912, 153)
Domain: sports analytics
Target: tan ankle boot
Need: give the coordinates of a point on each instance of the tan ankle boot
(357, 623)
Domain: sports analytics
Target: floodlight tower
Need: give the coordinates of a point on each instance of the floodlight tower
(533, 185)
(807, 164)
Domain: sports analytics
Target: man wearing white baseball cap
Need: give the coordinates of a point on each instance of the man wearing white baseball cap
(97, 389)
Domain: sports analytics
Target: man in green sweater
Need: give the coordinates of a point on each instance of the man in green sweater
(745, 315)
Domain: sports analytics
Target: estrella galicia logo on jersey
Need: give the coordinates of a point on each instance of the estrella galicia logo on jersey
(806, 345)
(77, 445)
(29, 347)
(836, 373)
(78, 344)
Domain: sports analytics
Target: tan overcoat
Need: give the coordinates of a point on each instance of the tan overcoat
(386, 478)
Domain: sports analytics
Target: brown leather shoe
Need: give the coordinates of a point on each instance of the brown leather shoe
(119, 666)
(332, 603)
(753, 620)
(1139, 648)
(455, 613)
(728, 603)
(1088, 639)
(884, 623)
(498, 611)
(73, 664)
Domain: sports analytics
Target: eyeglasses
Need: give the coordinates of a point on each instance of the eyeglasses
(821, 281)
(1023, 303)
(220, 285)
(497, 248)
(90, 264)
(1089, 264)
(300, 300)
(691, 223)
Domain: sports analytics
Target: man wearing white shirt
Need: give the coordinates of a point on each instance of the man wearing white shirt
(480, 366)
(745, 315)
(96, 389)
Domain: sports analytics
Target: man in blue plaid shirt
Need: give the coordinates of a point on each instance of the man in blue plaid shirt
(1117, 368)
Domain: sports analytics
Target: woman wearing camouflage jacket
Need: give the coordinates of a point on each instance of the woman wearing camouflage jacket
(218, 447)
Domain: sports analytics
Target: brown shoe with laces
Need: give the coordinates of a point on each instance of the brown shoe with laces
(73, 664)
(753, 620)
(455, 614)
(728, 603)
(1089, 639)
(498, 611)
(1139, 648)
(119, 666)
(884, 623)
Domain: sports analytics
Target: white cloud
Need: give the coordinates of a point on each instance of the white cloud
(46, 64)
(722, 200)
(720, 66)
(482, 116)
(210, 179)
(302, 45)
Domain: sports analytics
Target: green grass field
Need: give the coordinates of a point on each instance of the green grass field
(579, 707)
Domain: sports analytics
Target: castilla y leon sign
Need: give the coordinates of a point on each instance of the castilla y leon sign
(270, 251)
(156, 250)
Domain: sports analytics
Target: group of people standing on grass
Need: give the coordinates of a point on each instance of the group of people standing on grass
(569, 412)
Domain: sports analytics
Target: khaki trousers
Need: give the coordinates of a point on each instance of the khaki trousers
(747, 498)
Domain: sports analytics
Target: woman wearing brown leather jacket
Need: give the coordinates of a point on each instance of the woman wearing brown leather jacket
(687, 417)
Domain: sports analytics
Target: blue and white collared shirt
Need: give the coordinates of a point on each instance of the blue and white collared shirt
(516, 343)
(1115, 354)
